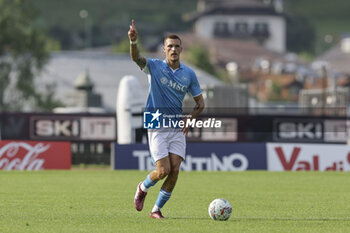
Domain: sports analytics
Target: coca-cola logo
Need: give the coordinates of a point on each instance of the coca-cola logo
(22, 156)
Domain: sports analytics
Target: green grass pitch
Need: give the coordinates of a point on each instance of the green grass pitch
(102, 201)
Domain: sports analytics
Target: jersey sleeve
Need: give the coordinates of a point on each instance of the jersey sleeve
(194, 89)
(149, 65)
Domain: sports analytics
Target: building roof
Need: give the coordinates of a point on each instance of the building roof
(105, 71)
(337, 59)
(224, 50)
(234, 7)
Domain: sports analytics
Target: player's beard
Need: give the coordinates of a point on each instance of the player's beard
(174, 58)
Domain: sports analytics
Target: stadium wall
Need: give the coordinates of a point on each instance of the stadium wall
(92, 136)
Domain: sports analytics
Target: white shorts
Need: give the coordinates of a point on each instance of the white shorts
(164, 141)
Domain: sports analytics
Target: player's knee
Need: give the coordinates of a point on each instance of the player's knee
(163, 172)
(162, 175)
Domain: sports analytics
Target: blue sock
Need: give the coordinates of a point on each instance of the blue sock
(163, 197)
(148, 182)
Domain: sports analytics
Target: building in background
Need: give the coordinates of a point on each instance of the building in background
(328, 101)
(336, 60)
(261, 21)
(105, 72)
(330, 91)
(82, 98)
(249, 36)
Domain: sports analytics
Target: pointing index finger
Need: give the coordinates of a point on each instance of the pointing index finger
(133, 24)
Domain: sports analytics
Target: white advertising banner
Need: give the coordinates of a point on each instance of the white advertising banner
(68, 127)
(102, 128)
(336, 131)
(307, 157)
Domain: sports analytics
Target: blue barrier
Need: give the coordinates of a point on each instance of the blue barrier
(199, 156)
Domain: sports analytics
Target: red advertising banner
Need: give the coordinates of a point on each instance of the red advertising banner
(34, 155)
(307, 157)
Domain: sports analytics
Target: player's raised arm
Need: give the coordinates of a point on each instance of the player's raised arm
(134, 51)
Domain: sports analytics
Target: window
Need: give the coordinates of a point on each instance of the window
(241, 30)
(221, 29)
(261, 32)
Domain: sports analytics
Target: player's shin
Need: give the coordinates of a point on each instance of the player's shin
(147, 183)
(163, 197)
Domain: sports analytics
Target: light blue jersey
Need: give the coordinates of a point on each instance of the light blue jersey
(167, 89)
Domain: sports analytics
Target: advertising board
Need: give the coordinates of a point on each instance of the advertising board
(76, 128)
(34, 155)
(298, 130)
(337, 131)
(199, 157)
(307, 157)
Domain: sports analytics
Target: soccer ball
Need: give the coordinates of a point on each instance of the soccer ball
(220, 209)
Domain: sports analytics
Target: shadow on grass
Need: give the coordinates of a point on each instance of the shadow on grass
(188, 218)
(287, 219)
(233, 218)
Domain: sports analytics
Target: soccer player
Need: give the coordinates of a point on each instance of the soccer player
(169, 81)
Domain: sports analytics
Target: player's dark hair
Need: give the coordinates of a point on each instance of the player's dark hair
(172, 36)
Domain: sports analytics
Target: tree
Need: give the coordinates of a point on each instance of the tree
(300, 35)
(199, 57)
(275, 93)
(124, 46)
(22, 56)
